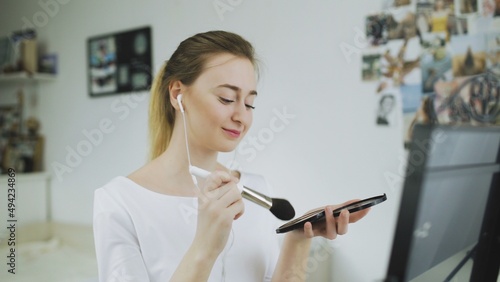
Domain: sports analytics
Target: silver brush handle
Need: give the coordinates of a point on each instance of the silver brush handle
(256, 197)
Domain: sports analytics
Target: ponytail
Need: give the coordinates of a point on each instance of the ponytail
(161, 115)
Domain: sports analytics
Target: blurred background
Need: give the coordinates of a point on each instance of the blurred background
(321, 133)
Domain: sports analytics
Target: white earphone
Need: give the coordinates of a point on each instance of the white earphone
(179, 99)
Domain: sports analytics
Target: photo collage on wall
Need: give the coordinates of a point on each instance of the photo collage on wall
(120, 62)
(440, 58)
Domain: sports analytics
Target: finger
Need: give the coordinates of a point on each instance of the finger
(353, 217)
(237, 208)
(229, 194)
(231, 201)
(343, 222)
(212, 183)
(308, 230)
(216, 179)
(331, 226)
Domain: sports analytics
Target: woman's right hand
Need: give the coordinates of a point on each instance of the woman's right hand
(219, 203)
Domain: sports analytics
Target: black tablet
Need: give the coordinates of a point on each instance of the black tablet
(319, 214)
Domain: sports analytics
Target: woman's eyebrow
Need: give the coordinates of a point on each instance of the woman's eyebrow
(235, 88)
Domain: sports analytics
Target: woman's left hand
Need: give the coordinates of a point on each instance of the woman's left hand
(297, 243)
(332, 226)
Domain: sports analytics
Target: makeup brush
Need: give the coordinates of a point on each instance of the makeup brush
(281, 208)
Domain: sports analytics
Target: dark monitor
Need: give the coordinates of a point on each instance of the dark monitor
(448, 227)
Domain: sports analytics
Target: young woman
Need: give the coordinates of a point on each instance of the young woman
(157, 224)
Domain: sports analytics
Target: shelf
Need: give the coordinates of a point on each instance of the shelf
(25, 77)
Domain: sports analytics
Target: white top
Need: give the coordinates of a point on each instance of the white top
(142, 235)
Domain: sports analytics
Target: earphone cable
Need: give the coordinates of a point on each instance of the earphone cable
(186, 138)
(187, 149)
(224, 256)
(223, 274)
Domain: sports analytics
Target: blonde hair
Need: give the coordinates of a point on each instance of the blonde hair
(186, 64)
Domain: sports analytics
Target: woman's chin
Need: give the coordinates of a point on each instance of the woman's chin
(227, 149)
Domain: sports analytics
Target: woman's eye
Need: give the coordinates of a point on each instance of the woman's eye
(225, 101)
(229, 101)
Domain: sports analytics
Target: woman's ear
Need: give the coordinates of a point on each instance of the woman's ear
(175, 89)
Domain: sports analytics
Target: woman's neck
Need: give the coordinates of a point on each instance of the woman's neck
(178, 156)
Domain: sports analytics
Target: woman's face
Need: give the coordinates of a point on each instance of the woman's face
(219, 103)
(386, 104)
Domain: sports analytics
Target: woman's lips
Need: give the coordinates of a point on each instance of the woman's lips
(232, 133)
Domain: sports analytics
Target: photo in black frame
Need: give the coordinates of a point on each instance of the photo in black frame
(119, 62)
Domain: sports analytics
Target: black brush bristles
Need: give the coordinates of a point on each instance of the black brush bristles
(282, 209)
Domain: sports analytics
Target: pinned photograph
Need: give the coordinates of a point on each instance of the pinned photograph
(435, 62)
(493, 53)
(411, 97)
(459, 25)
(468, 6)
(376, 29)
(469, 55)
(415, 108)
(439, 17)
(385, 112)
(423, 17)
(371, 67)
(488, 8)
(399, 3)
(442, 17)
(401, 25)
(388, 4)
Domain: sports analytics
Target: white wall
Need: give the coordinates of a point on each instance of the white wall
(329, 152)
